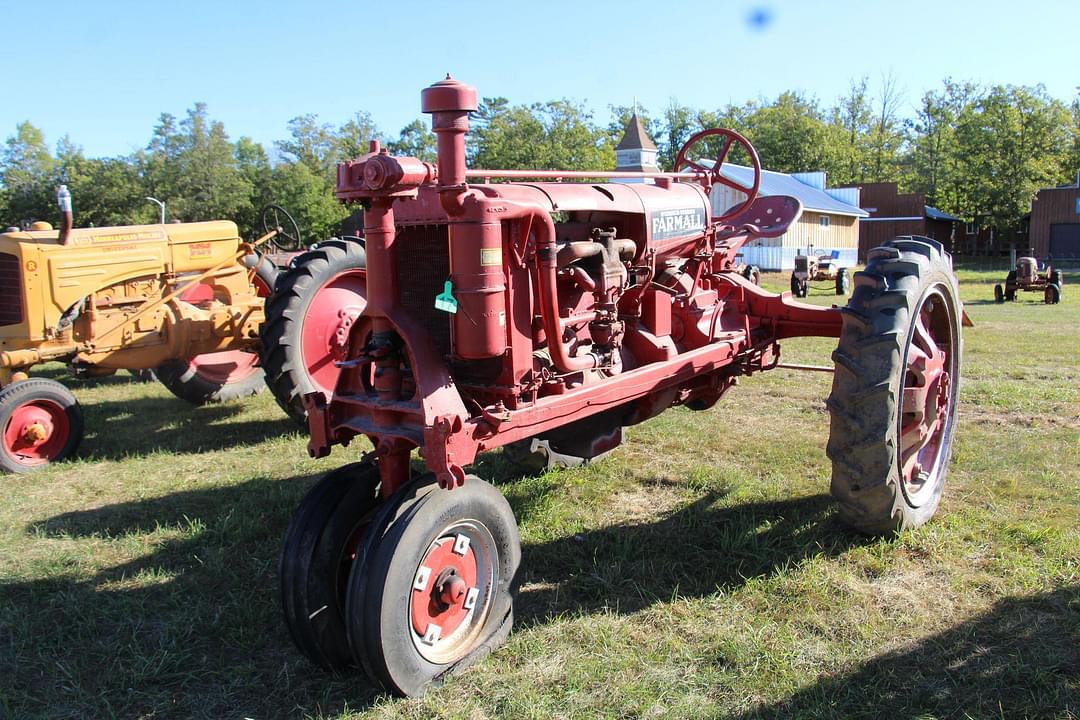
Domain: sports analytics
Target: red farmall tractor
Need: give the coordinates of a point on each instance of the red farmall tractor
(1026, 277)
(549, 315)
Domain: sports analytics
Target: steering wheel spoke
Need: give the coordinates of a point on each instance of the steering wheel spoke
(698, 167)
(724, 150)
(728, 182)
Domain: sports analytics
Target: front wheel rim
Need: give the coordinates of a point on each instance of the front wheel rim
(36, 432)
(928, 397)
(453, 591)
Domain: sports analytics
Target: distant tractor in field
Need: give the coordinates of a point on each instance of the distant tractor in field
(750, 272)
(1027, 278)
(182, 300)
(818, 268)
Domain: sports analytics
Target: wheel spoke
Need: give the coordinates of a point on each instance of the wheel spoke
(724, 180)
(696, 166)
(722, 155)
(925, 401)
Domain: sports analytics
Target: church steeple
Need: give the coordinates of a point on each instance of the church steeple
(636, 151)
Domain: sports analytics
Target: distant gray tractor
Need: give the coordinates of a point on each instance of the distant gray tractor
(750, 272)
(1026, 277)
(817, 268)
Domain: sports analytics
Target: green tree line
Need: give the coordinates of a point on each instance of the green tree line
(978, 152)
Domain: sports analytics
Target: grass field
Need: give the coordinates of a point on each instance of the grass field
(697, 572)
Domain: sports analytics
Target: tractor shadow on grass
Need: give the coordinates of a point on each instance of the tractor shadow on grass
(190, 628)
(133, 427)
(1020, 659)
(695, 551)
(62, 374)
(119, 429)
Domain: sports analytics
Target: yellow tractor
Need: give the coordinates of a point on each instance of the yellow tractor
(183, 300)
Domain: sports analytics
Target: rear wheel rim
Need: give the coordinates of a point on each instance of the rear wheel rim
(262, 289)
(225, 368)
(37, 432)
(928, 398)
(327, 326)
(452, 592)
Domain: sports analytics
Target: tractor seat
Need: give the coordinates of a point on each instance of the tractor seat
(767, 217)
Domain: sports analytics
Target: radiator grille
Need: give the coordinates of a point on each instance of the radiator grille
(423, 265)
(800, 264)
(11, 311)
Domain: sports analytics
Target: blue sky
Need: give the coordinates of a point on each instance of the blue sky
(103, 71)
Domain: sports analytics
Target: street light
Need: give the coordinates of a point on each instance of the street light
(160, 205)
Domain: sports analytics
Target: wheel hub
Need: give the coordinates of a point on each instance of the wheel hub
(36, 432)
(444, 589)
(339, 339)
(451, 588)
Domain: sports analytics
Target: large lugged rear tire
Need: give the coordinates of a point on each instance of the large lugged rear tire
(212, 377)
(1052, 294)
(308, 322)
(894, 393)
(843, 282)
(1010, 286)
(226, 375)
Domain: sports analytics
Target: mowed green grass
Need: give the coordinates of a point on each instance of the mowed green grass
(699, 571)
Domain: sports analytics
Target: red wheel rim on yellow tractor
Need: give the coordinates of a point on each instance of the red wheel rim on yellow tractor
(40, 421)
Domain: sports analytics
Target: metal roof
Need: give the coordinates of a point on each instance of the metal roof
(776, 183)
(934, 214)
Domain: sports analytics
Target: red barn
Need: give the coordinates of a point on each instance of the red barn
(893, 213)
(1055, 223)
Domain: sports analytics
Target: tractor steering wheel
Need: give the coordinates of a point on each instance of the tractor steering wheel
(713, 175)
(275, 217)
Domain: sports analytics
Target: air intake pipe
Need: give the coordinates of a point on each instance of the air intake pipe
(449, 102)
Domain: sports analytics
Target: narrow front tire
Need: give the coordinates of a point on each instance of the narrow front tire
(438, 591)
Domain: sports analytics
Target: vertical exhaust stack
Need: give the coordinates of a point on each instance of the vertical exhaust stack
(67, 219)
(449, 102)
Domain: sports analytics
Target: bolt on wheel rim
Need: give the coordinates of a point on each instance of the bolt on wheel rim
(452, 592)
(928, 397)
(36, 432)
